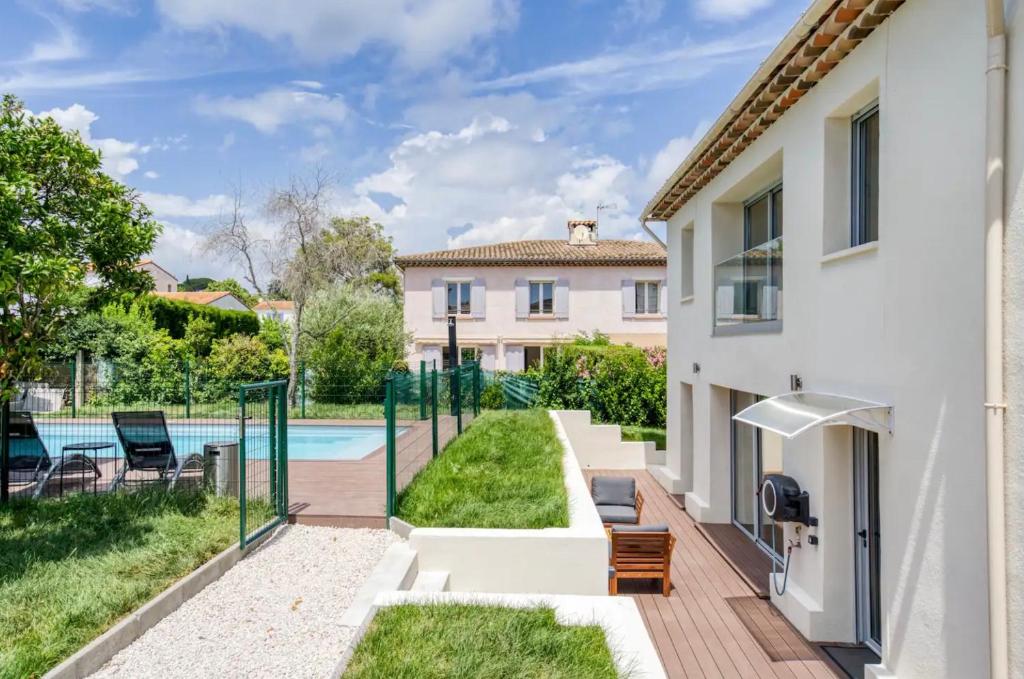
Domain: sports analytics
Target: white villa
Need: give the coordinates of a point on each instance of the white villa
(220, 299)
(163, 280)
(860, 175)
(279, 310)
(511, 300)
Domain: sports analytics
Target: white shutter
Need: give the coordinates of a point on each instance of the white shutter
(562, 298)
(522, 298)
(477, 298)
(663, 298)
(514, 358)
(628, 298)
(432, 354)
(437, 295)
(487, 358)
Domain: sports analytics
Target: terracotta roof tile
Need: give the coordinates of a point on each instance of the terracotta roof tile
(201, 297)
(274, 305)
(543, 253)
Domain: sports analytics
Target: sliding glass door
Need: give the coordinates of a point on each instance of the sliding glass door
(754, 454)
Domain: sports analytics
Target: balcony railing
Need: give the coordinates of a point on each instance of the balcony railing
(748, 286)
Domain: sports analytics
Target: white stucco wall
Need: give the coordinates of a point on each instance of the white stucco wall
(1014, 334)
(229, 302)
(900, 323)
(162, 280)
(595, 302)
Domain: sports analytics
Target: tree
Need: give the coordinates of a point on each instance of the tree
(235, 288)
(361, 254)
(61, 218)
(232, 238)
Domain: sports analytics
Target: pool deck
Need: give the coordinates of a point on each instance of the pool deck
(351, 493)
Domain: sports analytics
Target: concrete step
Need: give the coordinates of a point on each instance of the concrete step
(430, 581)
(395, 571)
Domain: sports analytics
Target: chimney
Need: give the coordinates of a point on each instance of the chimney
(582, 232)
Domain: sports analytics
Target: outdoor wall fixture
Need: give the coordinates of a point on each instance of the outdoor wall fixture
(783, 501)
(796, 383)
(696, 368)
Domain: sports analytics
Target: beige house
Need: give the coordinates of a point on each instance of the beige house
(275, 309)
(859, 175)
(512, 300)
(163, 280)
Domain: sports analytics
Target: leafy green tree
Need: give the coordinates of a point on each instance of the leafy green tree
(360, 254)
(199, 336)
(236, 360)
(235, 288)
(194, 284)
(60, 218)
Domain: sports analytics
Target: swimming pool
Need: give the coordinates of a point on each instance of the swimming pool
(305, 441)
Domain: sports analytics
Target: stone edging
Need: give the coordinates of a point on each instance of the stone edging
(100, 650)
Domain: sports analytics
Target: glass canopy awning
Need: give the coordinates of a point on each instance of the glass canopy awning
(790, 415)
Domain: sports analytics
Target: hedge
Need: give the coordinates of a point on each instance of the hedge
(173, 316)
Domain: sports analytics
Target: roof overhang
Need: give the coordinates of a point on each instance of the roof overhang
(790, 415)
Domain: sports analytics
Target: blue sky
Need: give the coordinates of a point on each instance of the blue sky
(452, 122)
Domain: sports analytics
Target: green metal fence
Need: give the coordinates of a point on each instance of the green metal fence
(448, 399)
(520, 392)
(262, 458)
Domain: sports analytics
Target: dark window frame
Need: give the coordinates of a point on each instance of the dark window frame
(862, 231)
(775, 221)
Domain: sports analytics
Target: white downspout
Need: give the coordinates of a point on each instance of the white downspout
(995, 406)
(643, 225)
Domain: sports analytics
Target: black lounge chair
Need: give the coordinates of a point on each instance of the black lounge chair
(29, 457)
(147, 447)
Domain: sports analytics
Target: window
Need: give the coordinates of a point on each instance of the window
(686, 262)
(542, 298)
(762, 218)
(534, 357)
(465, 354)
(864, 192)
(458, 298)
(647, 297)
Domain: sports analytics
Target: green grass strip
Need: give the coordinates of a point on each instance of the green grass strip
(70, 569)
(639, 433)
(457, 641)
(505, 471)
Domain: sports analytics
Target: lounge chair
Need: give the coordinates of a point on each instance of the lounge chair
(29, 457)
(640, 552)
(617, 499)
(147, 447)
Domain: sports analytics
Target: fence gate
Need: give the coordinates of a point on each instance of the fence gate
(262, 458)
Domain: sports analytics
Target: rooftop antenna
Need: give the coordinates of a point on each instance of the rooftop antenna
(605, 206)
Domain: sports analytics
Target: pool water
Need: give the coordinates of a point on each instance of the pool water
(305, 442)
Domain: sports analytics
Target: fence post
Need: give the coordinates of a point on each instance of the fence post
(272, 432)
(241, 468)
(476, 388)
(188, 391)
(282, 449)
(5, 451)
(389, 429)
(433, 408)
(456, 389)
(74, 390)
(302, 389)
(423, 389)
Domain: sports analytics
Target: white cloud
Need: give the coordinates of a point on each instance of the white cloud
(62, 46)
(729, 10)
(308, 84)
(421, 33)
(173, 205)
(671, 155)
(118, 156)
(120, 6)
(273, 108)
(637, 69)
(150, 174)
(641, 11)
(48, 80)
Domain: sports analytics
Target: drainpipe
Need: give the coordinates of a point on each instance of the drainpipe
(643, 225)
(995, 405)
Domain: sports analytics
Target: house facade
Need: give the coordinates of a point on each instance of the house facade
(513, 300)
(850, 179)
(275, 309)
(163, 280)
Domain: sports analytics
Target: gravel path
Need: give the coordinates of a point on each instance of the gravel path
(273, 615)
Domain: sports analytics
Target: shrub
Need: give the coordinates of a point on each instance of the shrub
(492, 397)
(237, 360)
(174, 317)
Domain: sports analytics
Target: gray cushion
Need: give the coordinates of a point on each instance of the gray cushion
(613, 490)
(648, 528)
(616, 514)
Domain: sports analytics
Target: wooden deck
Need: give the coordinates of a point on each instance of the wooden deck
(351, 494)
(714, 625)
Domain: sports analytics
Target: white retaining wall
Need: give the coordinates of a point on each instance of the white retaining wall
(571, 560)
(600, 446)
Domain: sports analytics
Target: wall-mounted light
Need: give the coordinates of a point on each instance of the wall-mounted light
(796, 383)
(696, 368)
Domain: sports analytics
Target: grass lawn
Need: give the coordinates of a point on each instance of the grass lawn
(636, 433)
(505, 471)
(456, 641)
(70, 569)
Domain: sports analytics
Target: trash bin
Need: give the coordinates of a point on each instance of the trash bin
(220, 467)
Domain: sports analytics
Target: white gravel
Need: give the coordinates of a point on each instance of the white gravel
(275, 614)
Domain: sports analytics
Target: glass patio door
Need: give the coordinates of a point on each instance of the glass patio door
(867, 533)
(754, 454)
